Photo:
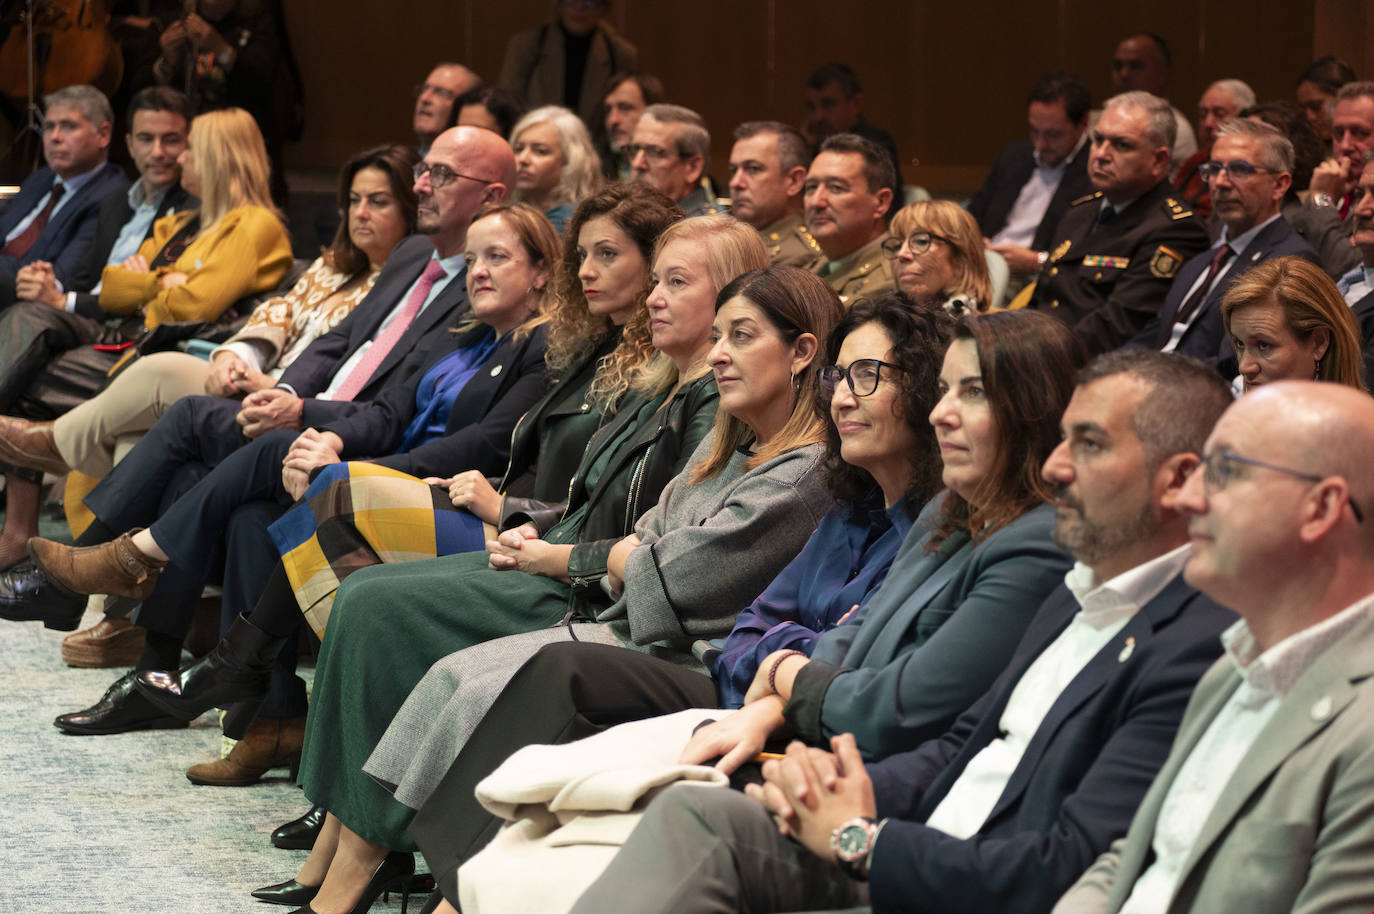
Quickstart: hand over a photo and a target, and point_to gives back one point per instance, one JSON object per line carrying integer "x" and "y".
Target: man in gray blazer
{"x": 1266, "y": 802}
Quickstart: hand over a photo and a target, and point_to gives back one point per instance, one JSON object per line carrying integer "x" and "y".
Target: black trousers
{"x": 565, "y": 692}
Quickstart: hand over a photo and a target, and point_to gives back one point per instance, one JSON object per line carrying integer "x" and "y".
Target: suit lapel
{"x": 938, "y": 568}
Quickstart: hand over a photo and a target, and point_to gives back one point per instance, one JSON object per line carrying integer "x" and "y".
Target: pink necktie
{"x": 362, "y": 372}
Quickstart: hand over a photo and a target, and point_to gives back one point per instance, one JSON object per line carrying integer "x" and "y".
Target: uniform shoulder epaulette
{"x": 1095, "y": 195}
{"x": 1175, "y": 209}
{"x": 805, "y": 234}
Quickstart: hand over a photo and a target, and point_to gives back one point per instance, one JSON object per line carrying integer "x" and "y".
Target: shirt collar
{"x": 138, "y": 195}
{"x": 1101, "y": 602}
{"x": 1243, "y": 240}
{"x": 76, "y": 182}
{"x": 1272, "y": 673}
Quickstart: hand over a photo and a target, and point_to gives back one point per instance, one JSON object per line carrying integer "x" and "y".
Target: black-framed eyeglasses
{"x": 1237, "y": 171}
{"x": 442, "y": 175}
{"x": 862, "y": 376}
{"x": 1218, "y": 471}
{"x": 917, "y": 242}
{"x": 654, "y": 153}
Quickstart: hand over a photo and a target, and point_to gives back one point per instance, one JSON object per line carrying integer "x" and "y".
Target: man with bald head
{"x": 1266, "y": 802}
{"x": 434, "y": 100}
{"x": 1223, "y": 100}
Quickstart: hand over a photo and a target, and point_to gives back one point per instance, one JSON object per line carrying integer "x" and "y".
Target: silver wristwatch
{"x": 852, "y": 844}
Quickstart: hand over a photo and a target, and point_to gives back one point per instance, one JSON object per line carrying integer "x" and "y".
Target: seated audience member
{"x": 1357, "y": 286}
{"x": 670, "y": 151}
{"x": 1320, "y": 226}
{"x": 834, "y": 104}
{"x": 1033, "y": 181}
{"x": 937, "y": 257}
{"x": 1285, "y": 320}
{"x": 1249, "y": 174}
{"x": 1046, "y": 769}
{"x": 1316, "y": 88}
{"x": 1141, "y": 63}
{"x": 53, "y": 217}
{"x": 624, "y": 100}
{"x": 1222, "y": 101}
{"x": 1352, "y": 135}
{"x": 434, "y": 100}
{"x": 489, "y": 107}
{"x": 556, "y": 167}
{"x": 567, "y": 61}
{"x": 767, "y": 171}
{"x": 1117, "y": 251}
{"x": 196, "y": 265}
{"x": 845, "y": 199}
{"x": 1266, "y": 803}
{"x": 901, "y": 666}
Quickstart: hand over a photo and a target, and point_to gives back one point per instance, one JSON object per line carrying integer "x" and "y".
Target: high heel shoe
{"x": 117, "y": 567}
{"x": 300, "y": 834}
{"x": 288, "y": 892}
{"x": 393, "y": 873}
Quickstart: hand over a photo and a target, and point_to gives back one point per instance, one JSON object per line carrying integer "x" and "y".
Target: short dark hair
{"x": 878, "y": 170}
{"x": 1061, "y": 85}
{"x": 398, "y": 164}
{"x": 650, "y": 86}
{"x": 1165, "y": 54}
{"x": 160, "y": 98}
{"x": 793, "y": 150}
{"x": 837, "y": 74}
{"x": 1327, "y": 73}
{"x": 505, "y": 106}
{"x": 1185, "y": 400}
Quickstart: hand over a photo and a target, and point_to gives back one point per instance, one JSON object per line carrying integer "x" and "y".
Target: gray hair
{"x": 1160, "y": 129}
{"x": 89, "y": 100}
{"x": 581, "y": 172}
{"x": 793, "y": 150}
{"x": 1278, "y": 149}
{"x": 1362, "y": 89}
{"x": 1240, "y": 91}
{"x": 693, "y": 139}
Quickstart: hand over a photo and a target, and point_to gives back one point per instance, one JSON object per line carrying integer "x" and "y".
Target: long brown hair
{"x": 398, "y": 164}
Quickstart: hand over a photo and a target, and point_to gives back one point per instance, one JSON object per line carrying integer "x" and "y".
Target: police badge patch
{"x": 1165, "y": 263}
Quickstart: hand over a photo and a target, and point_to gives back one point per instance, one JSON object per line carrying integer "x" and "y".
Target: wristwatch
{"x": 1322, "y": 200}
{"x": 852, "y": 844}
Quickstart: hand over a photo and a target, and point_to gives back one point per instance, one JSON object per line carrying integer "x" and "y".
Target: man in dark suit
{"x": 53, "y": 217}
{"x": 1357, "y": 286}
{"x": 1117, "y": 251}
{"x": 1248, "y": 175}
{"x": 834, "y": 104}
{"x": 1046, "y": 769}
{"x": 1033, "y": 180}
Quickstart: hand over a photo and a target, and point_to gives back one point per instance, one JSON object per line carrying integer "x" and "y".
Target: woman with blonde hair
{"x": 556, "y": 164}
{"x": 937, "y": 256}
{"x": 1286, "y": 321}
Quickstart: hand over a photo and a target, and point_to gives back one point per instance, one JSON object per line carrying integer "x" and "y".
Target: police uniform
{"x": 701, "y": 202}
{"x": 1106, "y": 277}
{"x": 863, "y": 274}
{"x": 789, "y": 242}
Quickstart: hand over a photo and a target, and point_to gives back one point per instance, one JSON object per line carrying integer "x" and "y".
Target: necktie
{"x": 1106, "y": 215}
{"x": 1346, "y": 202}
{"x": 1219, "y": 259}
{"x": 19, "y": 245}
{"x": 362, "y": 372}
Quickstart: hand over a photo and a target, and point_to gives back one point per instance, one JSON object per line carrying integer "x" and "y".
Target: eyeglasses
{"x": 1236, "y": 171}
{"x": 862, "y": 376}
{"x": 447, "y": 95}
{"x": 442, "y": 176}
{"x": 654, "y": 153}
{"x": 1218, "y": 470}
{"x": 917, "y": 242}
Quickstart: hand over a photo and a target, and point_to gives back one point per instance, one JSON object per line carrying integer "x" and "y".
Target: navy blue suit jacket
{"x": 992, "y": 203}
{"x": 1205, "y": 337}
{"x": 70, "y": 231}
{"x": 1078, "y": 784}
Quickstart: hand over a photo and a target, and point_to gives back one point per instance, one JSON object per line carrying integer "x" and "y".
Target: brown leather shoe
{"x": 116, "y": 567}
{"x": 108, "y": 643}
{"x": 269, "y": 743}
{"x": 30, "y": 444}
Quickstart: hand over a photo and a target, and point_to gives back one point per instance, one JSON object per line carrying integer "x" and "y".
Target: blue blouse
{"x": 440, "y": 387}
{"x": 843, "y": 563}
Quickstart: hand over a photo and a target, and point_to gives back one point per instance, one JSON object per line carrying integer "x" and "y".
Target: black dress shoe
{"x": 119, "y": 710}
{"x": 27, "y": 595}
{"x": 288, "y": 892}
{"x": 300, "y": 834}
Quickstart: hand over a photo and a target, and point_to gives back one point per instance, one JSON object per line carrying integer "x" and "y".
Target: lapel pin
{"x": 1126, "y": 651}
{"x": 1255, "y": 256}
{"x": 1321, "y": 709}
{"x": 496, "y": 371}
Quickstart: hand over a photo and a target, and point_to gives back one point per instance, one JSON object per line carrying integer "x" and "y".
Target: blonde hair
{"x": 731, "y": 247}
{"x": 580, "y": 175}
{"x": 228, "y": 154}
{"x": 952, "y": 221}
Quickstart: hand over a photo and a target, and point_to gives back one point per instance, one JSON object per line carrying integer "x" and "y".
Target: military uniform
{"x": 863, "y": 274}
{"x": 1106, "y": 279}
{"x": 701, "y": 202}
{"x": 789, "y": 242}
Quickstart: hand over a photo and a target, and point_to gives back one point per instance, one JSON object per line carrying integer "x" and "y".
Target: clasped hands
{"x": 811, "y": 792}
{"x": 310, "y": 450}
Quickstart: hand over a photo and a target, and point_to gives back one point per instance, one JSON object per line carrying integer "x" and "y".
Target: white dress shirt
{"x": 1105, "y": 610}
{"x": 1238, "y": 246}
{"x": 1266, "y": 679}
{"x": 1034, "y": 199}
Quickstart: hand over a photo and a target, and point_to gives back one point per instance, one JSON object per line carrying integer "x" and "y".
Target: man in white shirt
{"x": 1266, "y": 802}
{"x": 1047, "y": 765}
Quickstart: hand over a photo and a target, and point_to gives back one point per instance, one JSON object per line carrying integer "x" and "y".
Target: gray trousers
{"x": 706, "y": 849}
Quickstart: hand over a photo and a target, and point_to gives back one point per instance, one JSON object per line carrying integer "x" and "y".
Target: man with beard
{"x": 1048, "y": 765}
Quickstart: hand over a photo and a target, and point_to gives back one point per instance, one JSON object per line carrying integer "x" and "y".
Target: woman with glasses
{"x": 1286, "y": 321}
{"x": 556, "y": 166}
{"x": 937, "y": 256}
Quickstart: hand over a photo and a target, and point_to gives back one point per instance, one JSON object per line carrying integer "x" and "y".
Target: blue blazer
{"x": 71, "y": 230}
{"x": 1079, "y": 782}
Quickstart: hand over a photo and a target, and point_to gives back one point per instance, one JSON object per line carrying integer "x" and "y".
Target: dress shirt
{"x": 1034, "y": 198}
{"x": 73, "y": 185}
{"x": 453, "y": 271}
{"x": 130, "y": 237}
{"x": 1356, "y": 284}
{"x": 1266, "y": 679}
{"x": 1238, "y": 246}
{"x": 1105, "y": 608}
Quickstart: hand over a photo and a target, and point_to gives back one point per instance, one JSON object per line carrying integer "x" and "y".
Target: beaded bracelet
{"x": 773, "y": 670}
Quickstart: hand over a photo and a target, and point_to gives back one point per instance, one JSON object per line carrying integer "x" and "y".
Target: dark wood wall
{"x": 947, "y": 78}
